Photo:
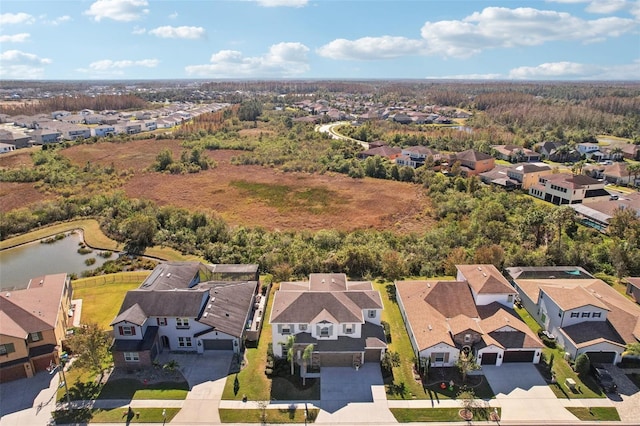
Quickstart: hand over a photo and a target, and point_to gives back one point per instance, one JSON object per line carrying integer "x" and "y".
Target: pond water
{"x": 19, "y": 264}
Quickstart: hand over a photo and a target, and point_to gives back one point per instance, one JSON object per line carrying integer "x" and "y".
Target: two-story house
{"x": 473, "y": 162}
{"x": 585, "y": 314}
{"x": 472, "y": 314}
{"x": 185, "y": 306}
{"x": 416, "y": 156}
{"x": 515, "y": 153}
{"x": 341, "y": 319}
{"x": 33, "y": 324}
{"x": 528, "y": 174}
{"x": 633, "y": 287}
{"x": 565, "y": 188}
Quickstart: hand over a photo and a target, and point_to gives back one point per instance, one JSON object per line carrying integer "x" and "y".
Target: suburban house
{"x": 45, "y": 136}
{"x": 633, "y": 287}
{"x": 6, "y": 147}
{"x": 187, "y": 307}
{"x": 528, "y": 174}
{"x": 566, "y": 188}
{"x": 515, "y": 154}
{"x": 340, "y": 318}
{"x": 104, "y": 130}
{"x": 616, "y": 173}
{"x": 547, "y": 148}
{"x": 383, "y": 151}
{"x": 598, "y": 214}
{"x": 589, "y": 150}
{"x": 415, "y": 156}
{"x": 473, "y": 162}
{"x": 583, "y": 313}
{"x": 19, "y": 140}
{"x": 33, "y": 324}
{"x": 473, "y": 314}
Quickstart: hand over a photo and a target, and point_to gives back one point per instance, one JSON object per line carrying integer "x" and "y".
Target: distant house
{"x": 597, "y": 214}
{"x": 93, "y": 118}
{"x": 472, "y": 314}
{"x": 401, "y": 118}
{"x": 415, "y": 156}
{"x": 617, "y": 173}
{"x": 104, "y": 130}
{"x": 547, "y": 148}
{"x": 633, "y": 287}
{"x": 589, "y": 149}
{"x": 185, "y": 307}
{"x": 515, "y": 154}
{"x": 383, "y": 151}
{"x": 45, "y": 136}
{"x": 585, "y": 314}
{"x": 19, "y": 140}
{"x": 341, "y": 319}
{"x": 565, "y": 188}
{"x": 33, "y": 324}
{"x": 6, "y": 147}
{"x": 473, "y": 162}
{"x": 527, "y": 174}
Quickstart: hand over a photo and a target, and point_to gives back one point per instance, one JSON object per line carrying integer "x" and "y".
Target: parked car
{"x": 603, "y": 377}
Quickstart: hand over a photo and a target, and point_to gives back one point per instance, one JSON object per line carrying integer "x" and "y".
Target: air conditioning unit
{"x": 567, "y": 356}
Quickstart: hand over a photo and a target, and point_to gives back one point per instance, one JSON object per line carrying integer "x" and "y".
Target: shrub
{"x": 90, "y": 261}
{"x": 582, "y": 364}
{"x": 83, "y": 250}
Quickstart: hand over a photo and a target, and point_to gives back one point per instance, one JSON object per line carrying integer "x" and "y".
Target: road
{"x": 330, "y": 129}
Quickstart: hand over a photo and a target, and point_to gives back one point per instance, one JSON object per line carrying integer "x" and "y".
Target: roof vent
{"x": 8, "y": 294}
{"x": 430, "y": 328}
{"x": 226, "y": 314}
{"x": 479, "y": 268}
{"x": 333, "y": 280}
{"x": 429, "y": 285}
{"x": 322, "y": 281}
{"x": 209, "y": 306}
{"x": 205, "y": 314}
{"x": 168, "y": 274}
{"x": 484, "y": 275}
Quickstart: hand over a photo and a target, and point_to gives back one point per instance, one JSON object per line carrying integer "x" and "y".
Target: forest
{"x": 466, "y": 221}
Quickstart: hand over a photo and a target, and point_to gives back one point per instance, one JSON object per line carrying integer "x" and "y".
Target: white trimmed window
{"x": 127, "y": 330}
{"x": 131, "y": 357}
{"x": 184, "y": 342}
{"x": 303, "y": 327}
{"x": 575, "y": 314}
{"x": 182, "y": 322}
{"x": 371, "y": 313}
{"x": 162, "y": 321}
{"x": 586, "y": 314}
{"x": 596, "y": 314}
{"x": 467, "y": 338}
{"x": 348, "y": 329}
{"x": 35, "y": 337}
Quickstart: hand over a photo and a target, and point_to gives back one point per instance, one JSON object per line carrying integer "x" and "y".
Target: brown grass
{"x": 15, "y": 194}
{"x": 357, "y": 203}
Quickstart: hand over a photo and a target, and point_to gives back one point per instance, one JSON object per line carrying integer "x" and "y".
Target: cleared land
{"x": 263, "y": 196}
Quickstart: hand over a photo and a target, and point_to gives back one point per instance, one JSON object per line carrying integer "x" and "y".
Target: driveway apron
{"x": 517, "y": 386}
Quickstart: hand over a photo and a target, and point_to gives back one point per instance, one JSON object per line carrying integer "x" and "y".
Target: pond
{"x": 20, "y": 264}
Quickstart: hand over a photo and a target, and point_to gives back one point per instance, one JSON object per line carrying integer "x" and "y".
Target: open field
{"x": 256, "y": 195}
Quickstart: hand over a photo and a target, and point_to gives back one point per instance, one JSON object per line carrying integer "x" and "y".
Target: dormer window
{"x": 325, "y": 332}
{"x": 371, "y": 313}
{"x": 182, "y": 322}
{"x": 467, "y": 338}
{"x": 127, "y": 330}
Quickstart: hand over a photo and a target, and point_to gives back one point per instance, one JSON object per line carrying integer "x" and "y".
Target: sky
{"x": 320, "y": 39}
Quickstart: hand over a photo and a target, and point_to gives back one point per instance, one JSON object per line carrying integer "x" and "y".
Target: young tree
{"x": 90, "y": 345}
{"x": 139, "y": 230}
{"x": 582, "y": 365}
{"x": 290, "y": 347}
{"x": 306, "y": 357}
{"x": 466, "y": 363}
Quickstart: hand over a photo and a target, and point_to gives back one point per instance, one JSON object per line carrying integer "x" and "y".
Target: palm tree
{"x": 633, "y": 170}
{"x": 616, "y": 153}
{"x": 290, "y": 346}
{"x": 306, "y": 356}
{"x": 632, "y": 349}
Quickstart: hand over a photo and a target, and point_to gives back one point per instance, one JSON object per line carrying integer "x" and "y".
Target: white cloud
{"x": 285, "y": 3}
{"x": 61, "y": 19}
{"x": 107, "y": 66}
{"x": 16, "y": 18}
{"x": 577, "y": 71}
{"x": 138, "y": 30}
{"x": 496, "y": 27}
{"x": 174, "y": 15}
{"x": 179, "y": 32}
{"x": 22, "y": 65}
{"x": 118, "y": 10}
{"x": 371, "y": 48}
{"x": 606, "y": 6}
{"x": 14, "y": 38}
{"x": 282, "y": 60}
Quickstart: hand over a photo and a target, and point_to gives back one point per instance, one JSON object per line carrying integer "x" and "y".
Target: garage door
{"x": 372, "y": 355}
{"x": 14, "y": 372}
{"x": 218, "y": 344}
{"x": 518, "y": 356}
{"x": 336, "y": 359}
{"x": 489, "y": 358}
{"x": 602, "y": 357}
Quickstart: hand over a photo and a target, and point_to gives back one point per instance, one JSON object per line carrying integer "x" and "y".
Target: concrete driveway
{"x": 516, "y": 386}
{"x": 349, "y": 396}
{"x": 207, "y": 375}
{"x": 28, "y": 401}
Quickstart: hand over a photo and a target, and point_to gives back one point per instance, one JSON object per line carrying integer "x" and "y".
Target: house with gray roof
{"x": 186, "y": 307}
{"x": 340, "y": 318}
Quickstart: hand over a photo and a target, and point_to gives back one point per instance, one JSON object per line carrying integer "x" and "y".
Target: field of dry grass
{"x": 248, "y": 195}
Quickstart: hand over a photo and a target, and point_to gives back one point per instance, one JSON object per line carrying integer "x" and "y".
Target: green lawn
{"x": 528, "y": 319}
{"x": 595, "y": 413}
{"x": 102, "y": 295}
{"x": 253, "y": 382}
{"x": 134, "y": 389}
{"x": 253, "y": 415}
{"x": 410, "y": 415}
{"x": 404, "y": 385}
{"x": 115, "y": 415}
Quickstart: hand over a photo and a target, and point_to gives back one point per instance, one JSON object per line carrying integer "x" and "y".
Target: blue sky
{"x": 320, "y": 39}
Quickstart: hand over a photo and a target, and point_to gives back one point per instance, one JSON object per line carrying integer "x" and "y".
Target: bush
{"x": 387, "y": 330}
{"x": 90, "y": 261}
{"x": 582, "y": 364}
{"x": 83, "y": 250}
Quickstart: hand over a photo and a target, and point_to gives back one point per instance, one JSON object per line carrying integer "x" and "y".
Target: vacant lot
{"x": 263, "y": 196}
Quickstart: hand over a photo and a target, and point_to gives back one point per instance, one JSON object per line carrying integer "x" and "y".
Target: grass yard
{"x": 254, "y": 415}
{"x": 102, "y": 295}
{"x": 410, "y": 415}
{"x": 93, "y": 235}
{"x": 115, "y": 415}
{"x": 135, "y": 389}
{"x": 252, "y": 380}
{"x": 404, "y": 385}
{"x": 599, "y": 414}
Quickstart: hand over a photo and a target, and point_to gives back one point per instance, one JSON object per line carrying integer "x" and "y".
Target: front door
{"x": 165, "y": 342}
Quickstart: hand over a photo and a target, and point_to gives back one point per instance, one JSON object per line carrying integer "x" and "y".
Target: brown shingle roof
{"x": 486, "y": 279}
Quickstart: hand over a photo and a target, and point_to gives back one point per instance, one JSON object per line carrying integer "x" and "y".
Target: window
{"x": 7, "y": 348}
{"x": 184, "y": 342}
{"x": 131, "y": 357}
{"x": 35, "y": 337}
{"x": 162, "y": 321}
{"x": 510, "y": 298}
{"x": 348, "y": 329}
{"x": 586, "y": 314}
{"x": 438, "y": 357}
{"x": 597, "y": 314}
{"x": 371, "y": 313}
{"x": 560, "y": 313}
{"x": 303, "y": 327}
{"x": 285, "y": 329}
{"x": 127, "y": 330}
{"x": 182, "y": 322}
{"x": 467, "y": 338}
{"x": 575, "y": 314}
{"x": 324, "y": 332}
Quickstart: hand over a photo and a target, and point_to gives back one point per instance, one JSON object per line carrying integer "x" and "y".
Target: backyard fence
{"x": 121, "y": 277}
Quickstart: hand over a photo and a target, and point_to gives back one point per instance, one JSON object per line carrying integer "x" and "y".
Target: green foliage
{"x": 90, "y": 345}
{"x": 250, "y": 110}
{"x": 390, "y": 360}
{"x": 582, "y": 365}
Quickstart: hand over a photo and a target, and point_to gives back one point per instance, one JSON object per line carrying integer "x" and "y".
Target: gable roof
{"x": 472, "y": 155}
{"x": 228, "y": 307}
{"x": 34, "y": 308}
{"x": 173, "y": 303}
{"x": 486, "y": 279}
